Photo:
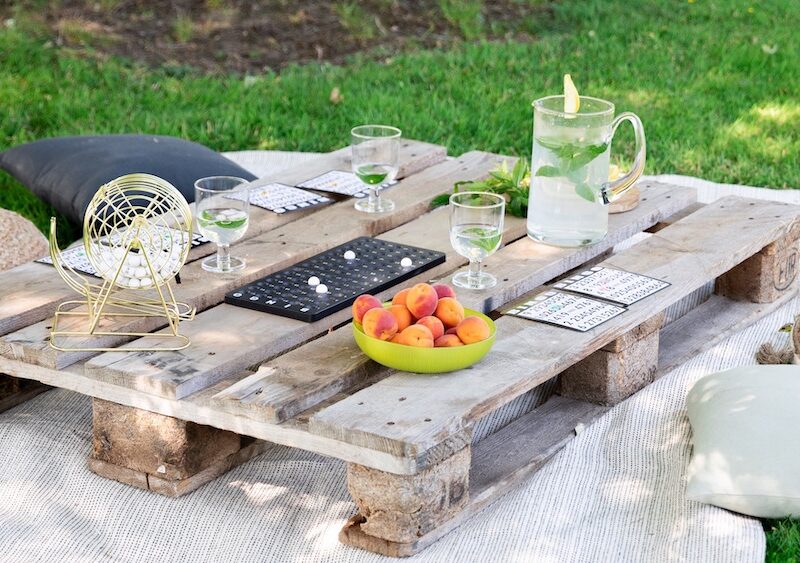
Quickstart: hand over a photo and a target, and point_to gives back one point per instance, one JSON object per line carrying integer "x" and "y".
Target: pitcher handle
{"x": 611, "y": 191}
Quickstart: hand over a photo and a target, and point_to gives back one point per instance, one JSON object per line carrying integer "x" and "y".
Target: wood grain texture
{"x": 709, "y": 324}
{"x": 198, "y": 408}
{"x": 499, "y": 463}
{"x": 288, "y": 387}
{"x": 32, "y": 291}
{"x": 265, "y": 254}
{"x": 687, "y": 254}
{"x": 526, "y": 264}
{"x": 176, "y": 487}
{"x": 226, "y": 339}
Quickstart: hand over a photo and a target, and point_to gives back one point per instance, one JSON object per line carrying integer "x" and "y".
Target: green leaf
{"x": 786, "y": 328}
{"x": 548, "y": 171}
{"x": 440, "y": 200}
{"x": 584, "y": 155}
{"x": 519, "y": 171}
{"x": 585, "y": 192}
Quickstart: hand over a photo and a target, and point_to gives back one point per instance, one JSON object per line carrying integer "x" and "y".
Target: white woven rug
{"x": 615, "y": 493}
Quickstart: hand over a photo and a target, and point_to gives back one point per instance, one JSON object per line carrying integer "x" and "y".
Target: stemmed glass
{"x": 223, "y": 213}
{"x": 476, "y": 230}
{"x": 375, "y": 149}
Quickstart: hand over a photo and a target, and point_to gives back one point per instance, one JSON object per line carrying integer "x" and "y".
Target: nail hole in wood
{"x": 401, "y": 399}
{"x": 505, "y": 279}
{"x": 390, "y": 423}
{"x": 212, "y": 353}
{"x": 749, "y": 218}
{"x": 752, "y": 203}
{"x": 361, "y": 403}
{"x": 413, "y": 154}
{"x": 427, "y": 420}
{"x": 669, "y": 197}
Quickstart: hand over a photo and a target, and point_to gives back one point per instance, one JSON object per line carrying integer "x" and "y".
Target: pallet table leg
{"x": 166, "y": 455}
{"x": 618, "y": 370}
{"x": 396, "y": 511}
{"x": 765, "y": 276}
{"x": 15, "y": 391}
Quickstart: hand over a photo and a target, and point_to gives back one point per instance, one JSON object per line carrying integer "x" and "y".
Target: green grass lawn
{"x": 715, "y": 83}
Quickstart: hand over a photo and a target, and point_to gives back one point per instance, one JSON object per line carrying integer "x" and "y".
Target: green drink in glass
{"x": 223, "y": 214}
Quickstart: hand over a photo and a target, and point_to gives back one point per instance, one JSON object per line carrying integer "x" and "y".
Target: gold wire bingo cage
{"x": 137, "y": 232}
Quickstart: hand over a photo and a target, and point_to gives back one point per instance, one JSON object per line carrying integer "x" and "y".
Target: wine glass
{"x": 375, "y": 150}
{"x": 476, "y": 230}
{"x": 223, "y": 213}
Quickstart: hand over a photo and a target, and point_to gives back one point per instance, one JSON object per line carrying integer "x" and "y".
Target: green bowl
{"x": 425, "y": 360}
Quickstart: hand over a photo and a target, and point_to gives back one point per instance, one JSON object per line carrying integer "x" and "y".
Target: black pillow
{"x": 67, "y": 171}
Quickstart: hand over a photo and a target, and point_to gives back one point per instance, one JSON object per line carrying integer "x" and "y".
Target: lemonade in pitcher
{"x": 570, "y": 190}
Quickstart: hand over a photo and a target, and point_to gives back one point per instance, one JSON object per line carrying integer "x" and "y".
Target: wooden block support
{"x": 161, "y": 453}
{"x": 400, "y": 509}
{"x": 617, "y": 370}
{"x": 15, "y": 391}
{"x": 765, "y": 276}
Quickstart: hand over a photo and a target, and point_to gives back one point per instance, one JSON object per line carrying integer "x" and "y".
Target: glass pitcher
{"x": 570, "y": 190}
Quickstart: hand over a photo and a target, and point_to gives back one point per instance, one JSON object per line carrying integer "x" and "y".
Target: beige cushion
{"x": 746, "y": 424}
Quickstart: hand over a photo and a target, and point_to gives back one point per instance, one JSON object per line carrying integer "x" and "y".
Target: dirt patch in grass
{"x": 219, "y": 36}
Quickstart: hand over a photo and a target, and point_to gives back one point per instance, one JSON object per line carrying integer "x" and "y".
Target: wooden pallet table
{"x": 171, "y": 421}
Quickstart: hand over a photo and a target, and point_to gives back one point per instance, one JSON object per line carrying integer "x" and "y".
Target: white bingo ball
{"x": 130, "y": 272}
{"x": 322, "y": 288}
{"x": 118, "y": 252}
{"x": 123, "y": 281}
{"x": 134, "y": 282}
{"x": 147, "y": 282}
{"x": 313, "y": 281}
{"x": 349, "y": 255}
{"x": 406, "y": 262}
{"x": 134, "y": 260}
{"x": 141, "y": 272}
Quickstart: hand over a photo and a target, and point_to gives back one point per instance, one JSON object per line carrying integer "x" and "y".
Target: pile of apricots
{"x": 425, "y": 315}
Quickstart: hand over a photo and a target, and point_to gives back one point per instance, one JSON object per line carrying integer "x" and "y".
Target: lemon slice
{"x": 572, "y": 102}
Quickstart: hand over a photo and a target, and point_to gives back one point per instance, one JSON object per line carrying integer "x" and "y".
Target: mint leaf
{"x": 585, "y": 192}
{"x": 440, "y": 200}
{"x": 548, "y": 171}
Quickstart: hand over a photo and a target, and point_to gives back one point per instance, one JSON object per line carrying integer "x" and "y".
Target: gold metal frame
{"x": 147, "y": 203}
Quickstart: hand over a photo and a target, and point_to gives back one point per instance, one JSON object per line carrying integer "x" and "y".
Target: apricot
{"x": 422, "y": 300}
{"x": 403, "y": 316}
{"x": 444, "y": 290}
{"x": 451, "y": 330}
{"x": 434, "y": 325}
{"x": 396, "y": 339}
{"x": 417, "y": 335}
{"x": 447, "y": 341}
{"x": 362, "y": 304}
{"x": 449, "y": 311}
{"x": 400, "y": 298}
{"x": 473, "y": 329}
{"x": 380, "y": 324}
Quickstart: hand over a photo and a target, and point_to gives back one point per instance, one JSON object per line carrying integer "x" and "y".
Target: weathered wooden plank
{"x": 527, "y": 264}
{"x": 199, "y": 409}
{"x": 709, "y": 324}
{"x": 31, "y": 291}
{"x": 499, "y": 463}
{"x": 286, "y": 387}
{"x": 687, "y": 254}
{"x": 227, "y": 339}
{"x": 265, "y": 254}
